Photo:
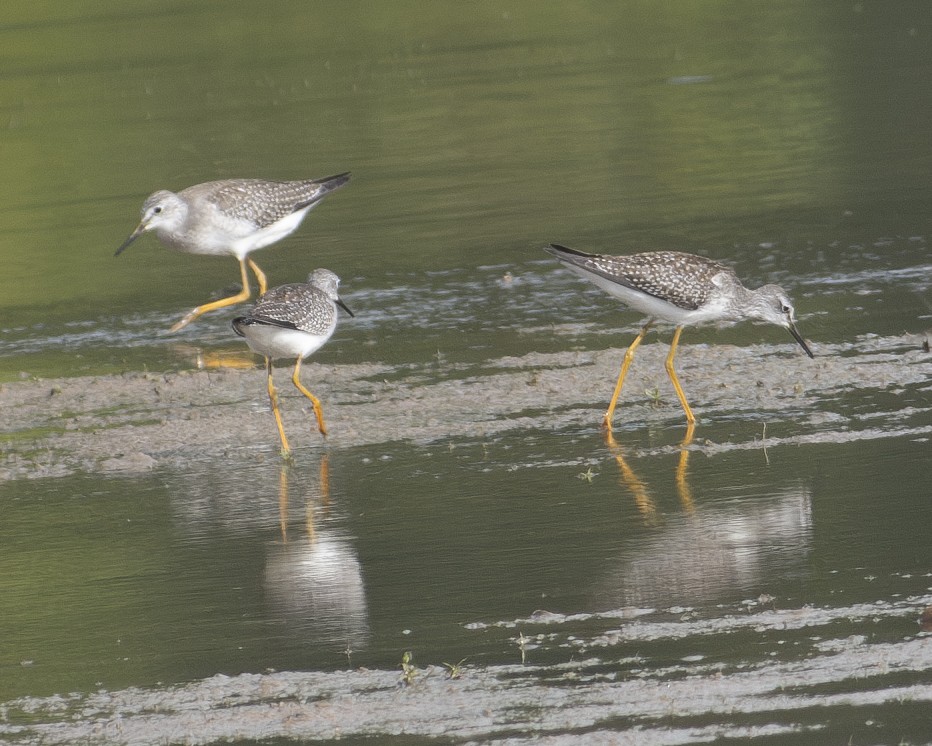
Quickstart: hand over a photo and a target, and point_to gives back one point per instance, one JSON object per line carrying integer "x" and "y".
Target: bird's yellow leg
{"x": 315, "y": 402}
{"x": 690, "y": 418}
{"x": 260, "y": 276}
{"x": 222, "y": 303}
{"x": 273, "y": 398}
{"x": 629, "y": 356}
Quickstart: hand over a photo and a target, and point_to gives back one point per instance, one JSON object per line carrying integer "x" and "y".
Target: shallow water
{"x": 758, "y": 575}
{"x": 166, "y": 578}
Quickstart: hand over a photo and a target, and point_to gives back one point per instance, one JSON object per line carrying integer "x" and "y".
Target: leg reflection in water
{"x": 321, "y": 495}
{"x": 636, "y": 486}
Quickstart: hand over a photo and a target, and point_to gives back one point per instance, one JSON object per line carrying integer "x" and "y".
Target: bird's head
{"x": 162, "y": 210}
{"x": 774, "y": 306}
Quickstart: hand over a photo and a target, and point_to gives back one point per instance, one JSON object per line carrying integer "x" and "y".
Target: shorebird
{"x": 292, "y": 321}
{"x": 682, "y": 289}
{"x": 231, "y": 216}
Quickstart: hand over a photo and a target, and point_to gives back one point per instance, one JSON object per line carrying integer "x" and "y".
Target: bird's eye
{"x": 787, "y": 309}
{"x": 157, "y": 209}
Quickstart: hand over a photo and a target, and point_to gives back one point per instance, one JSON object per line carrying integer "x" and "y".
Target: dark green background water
{"x": 791, "y": 140}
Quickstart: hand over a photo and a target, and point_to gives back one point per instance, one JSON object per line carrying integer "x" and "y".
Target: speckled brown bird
{"x": 231, "y": 216}
{"x": 682, "y": 289}
{"x": 292, "y": 321}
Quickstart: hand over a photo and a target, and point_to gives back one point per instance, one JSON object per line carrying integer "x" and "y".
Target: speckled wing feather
{"x": 684, "y": 280}
{"x": 263, "y": 202}
{"x": 295, "y": 306}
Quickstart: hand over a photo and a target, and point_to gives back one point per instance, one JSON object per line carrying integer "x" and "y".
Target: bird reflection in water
{"x": 708, "y": 553}
{"x": 313, "y": 579}
{"x": 214, "y": 359}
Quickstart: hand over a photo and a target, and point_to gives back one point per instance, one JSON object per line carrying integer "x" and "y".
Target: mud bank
{"x": 139, "y": 421}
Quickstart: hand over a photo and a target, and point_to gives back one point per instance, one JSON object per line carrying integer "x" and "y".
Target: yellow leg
{"x": 629, "y": 356}
{"x": 315, "y": 402}
{"x": 260, "y": 276}
{"x": 273, "y": 398}
{"x": 222, "y": 303}
{"x": 672, "y": 373}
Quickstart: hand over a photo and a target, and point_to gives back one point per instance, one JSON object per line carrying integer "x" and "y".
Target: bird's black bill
{"x": 345, "y": 307}
{"x": 132, "y": 237}
{"x": 798, "y": 338}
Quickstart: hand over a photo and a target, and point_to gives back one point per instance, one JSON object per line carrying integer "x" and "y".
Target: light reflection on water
{"x": 706, "y": 555}
{"x": 314, "y": 586}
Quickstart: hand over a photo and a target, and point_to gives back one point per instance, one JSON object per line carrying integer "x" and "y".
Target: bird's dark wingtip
{"x": 560, "y": 251}
{"x": 242, "y": 321}
{"x": 239, "y": 322}
{"x": 280, "y": 323}
{"x": 324, "y": 187}
{"x": 335, "y": 181}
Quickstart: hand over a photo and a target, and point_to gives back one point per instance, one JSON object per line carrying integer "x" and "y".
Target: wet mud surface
{"x": 876, "y": 387}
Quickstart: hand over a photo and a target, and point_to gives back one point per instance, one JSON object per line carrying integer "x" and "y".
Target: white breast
{"x": 276, "y": 342}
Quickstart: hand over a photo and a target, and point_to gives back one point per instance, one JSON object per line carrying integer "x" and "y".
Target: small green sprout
{"x": 656, "y": 400}
{"x": 408, "y": 671}
{"x": 455, "y": 670}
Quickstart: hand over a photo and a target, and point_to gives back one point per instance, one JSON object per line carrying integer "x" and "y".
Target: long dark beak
{"x": 132, "y": 237}
{"x": 798, "y": 338}
{"x": 345, "y": 307}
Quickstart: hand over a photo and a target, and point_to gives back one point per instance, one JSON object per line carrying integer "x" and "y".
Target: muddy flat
{"x": 138, "y": 421}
